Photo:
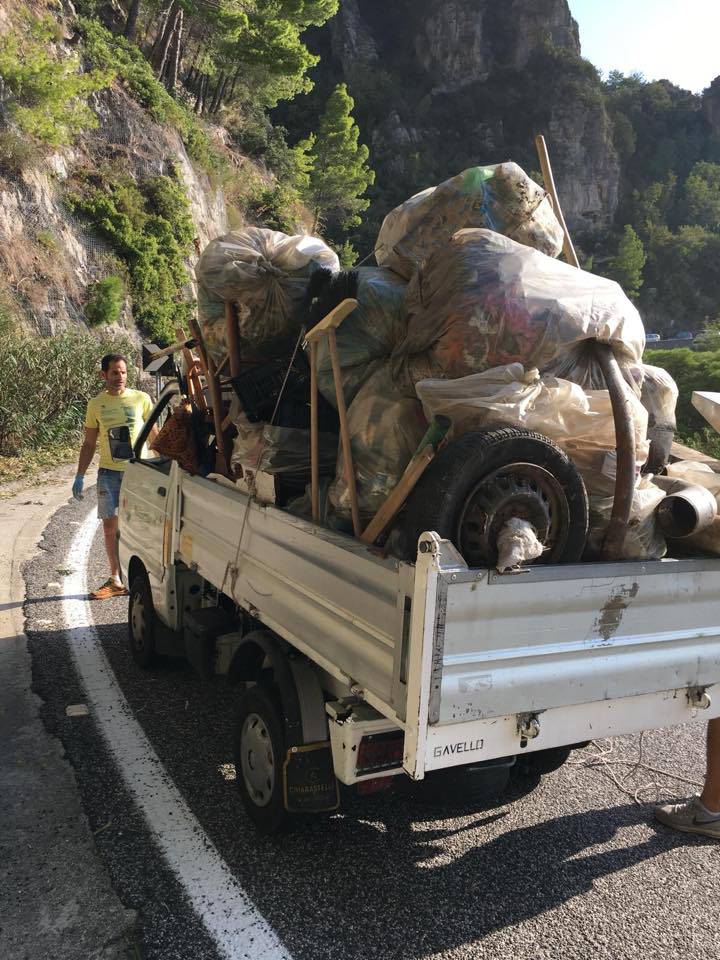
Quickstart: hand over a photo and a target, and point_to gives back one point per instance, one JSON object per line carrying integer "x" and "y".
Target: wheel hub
{"x": 521, "y": 490}
{"x": 257, "y": 759}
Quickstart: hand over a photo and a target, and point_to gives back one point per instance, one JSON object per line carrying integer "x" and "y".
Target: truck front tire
{"x": 141, "y": 622}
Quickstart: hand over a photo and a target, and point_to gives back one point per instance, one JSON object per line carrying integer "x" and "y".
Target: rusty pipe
{"x": 625, "y": 447}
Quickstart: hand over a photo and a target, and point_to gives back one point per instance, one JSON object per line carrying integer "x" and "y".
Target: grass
{"x": 35, "y": 464}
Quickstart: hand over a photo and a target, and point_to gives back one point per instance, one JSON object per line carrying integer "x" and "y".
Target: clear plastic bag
{"x": 264, "y": 273}
{"x": 643, "y": 539}
{"x": 385, "y": 430}
{"x": 369, "y": 333}
{"x": 659, "y": 397}
{"x": 483, "y": 300}
{"x": 580, "y": 422}
{"x": 500, "y": 197}
{"x": 280, "y": 450}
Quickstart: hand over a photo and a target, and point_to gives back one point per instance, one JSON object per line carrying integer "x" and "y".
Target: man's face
{"x": 115, "y": 376}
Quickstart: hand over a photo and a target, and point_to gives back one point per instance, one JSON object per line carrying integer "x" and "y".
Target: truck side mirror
{"x": 120, "y": 445}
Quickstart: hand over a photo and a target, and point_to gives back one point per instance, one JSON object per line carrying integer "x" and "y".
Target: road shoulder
{"x": 58, "y": 901}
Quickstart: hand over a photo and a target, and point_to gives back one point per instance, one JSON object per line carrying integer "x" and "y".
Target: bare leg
{"x": 710, "y": 797}
{"x": 110, "y": 526}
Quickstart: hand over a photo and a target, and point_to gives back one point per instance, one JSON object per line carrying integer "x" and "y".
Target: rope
{"x": 604, "y": 766}
{"x": 233, "y": 568}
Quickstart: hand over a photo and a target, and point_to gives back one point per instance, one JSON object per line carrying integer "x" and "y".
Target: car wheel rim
{"x": 522, "y": 490}
{"x": 257, "y": 760}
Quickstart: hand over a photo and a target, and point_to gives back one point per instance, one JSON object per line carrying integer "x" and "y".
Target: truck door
{"x": 147, "y": 502}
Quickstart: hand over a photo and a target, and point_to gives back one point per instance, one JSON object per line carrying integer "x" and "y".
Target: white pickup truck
{"x": 355, "y": 667}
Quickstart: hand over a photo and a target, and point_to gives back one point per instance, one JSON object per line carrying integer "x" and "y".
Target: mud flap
{"x": 309, "y": 782}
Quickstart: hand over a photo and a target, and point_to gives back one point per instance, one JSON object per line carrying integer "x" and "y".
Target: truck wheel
{"x": 141, "y": 622}
{"x": 259, "y": 757}
{"x": 481, "y": 480}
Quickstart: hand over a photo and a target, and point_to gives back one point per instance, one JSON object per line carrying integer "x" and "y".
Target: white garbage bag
{"x": 501, "y": 197}
{"x": 265, "y": 274}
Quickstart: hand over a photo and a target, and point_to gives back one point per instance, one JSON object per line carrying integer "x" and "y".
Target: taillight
{"x": 381, "y": 751}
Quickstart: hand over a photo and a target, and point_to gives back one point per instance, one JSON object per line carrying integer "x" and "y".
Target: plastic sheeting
{"x": 280, "y": 450}
{"x": 580, "y": 422}
{"x": 500, "y": 197}
{"x": 483, "y": 300}
{"x": 369, "y": 333}
{"x": 385, "y": 430}
{"x": 264, "y": 273}
{"x": 659, "y": 397}
{"x": 643, "y": 539}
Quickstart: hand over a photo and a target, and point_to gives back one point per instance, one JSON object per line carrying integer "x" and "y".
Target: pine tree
{"x": 340, "y": 174}
{"x": 627, "y": 265}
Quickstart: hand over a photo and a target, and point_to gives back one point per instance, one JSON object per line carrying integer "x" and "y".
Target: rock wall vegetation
{"x": 133, "y": 131}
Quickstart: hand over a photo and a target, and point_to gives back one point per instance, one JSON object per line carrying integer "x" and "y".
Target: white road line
{"x": 229, "y": 916}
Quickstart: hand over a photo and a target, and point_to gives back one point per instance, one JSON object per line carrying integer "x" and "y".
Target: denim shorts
{"x": 108, "y": 492}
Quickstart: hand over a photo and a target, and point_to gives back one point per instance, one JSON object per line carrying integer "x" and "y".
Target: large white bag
{"x": 500, "y": 197}
{"x": 580, "y": 422}
{"x": 483, "y": 300}
{"x": 265, "y": 274}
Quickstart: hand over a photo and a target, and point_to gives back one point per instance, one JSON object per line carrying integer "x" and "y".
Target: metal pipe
{"x": 687, "y": 508}
{"x": 625, "y": 445}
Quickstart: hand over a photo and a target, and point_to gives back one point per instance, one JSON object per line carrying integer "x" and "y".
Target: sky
{"x": 677, "y": 40}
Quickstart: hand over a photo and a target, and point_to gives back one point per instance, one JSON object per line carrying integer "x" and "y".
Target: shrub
{"x": 105, "y": 301}
{"x": 691, "y": 370}
{"x": 150, "y": 229}
{"x": 16, "y": 153}
{"x": 49, "y": 93}
{"x": 45, "y": 385}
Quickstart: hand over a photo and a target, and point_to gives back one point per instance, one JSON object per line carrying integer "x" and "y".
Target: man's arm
{"x": 87, "y": 451}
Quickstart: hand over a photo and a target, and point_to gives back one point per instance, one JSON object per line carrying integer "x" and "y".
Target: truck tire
{"x": 142, "y": 622}
{"x": 259, "y": 747}
{"x": 512, "y": 472}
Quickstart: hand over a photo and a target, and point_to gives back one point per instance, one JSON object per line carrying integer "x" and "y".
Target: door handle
{"x": 162, "y": 491}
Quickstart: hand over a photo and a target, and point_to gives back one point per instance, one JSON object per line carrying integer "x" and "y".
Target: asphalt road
{"x": 569, "y": 866}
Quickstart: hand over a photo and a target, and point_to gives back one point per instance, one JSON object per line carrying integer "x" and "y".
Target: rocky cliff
{"x": 472, "y": 81}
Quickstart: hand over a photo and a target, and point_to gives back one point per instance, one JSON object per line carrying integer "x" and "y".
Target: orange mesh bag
{"x": 176, "y": 438}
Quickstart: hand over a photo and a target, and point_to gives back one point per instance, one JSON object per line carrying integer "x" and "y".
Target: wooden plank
{"x": 332, "y": 321}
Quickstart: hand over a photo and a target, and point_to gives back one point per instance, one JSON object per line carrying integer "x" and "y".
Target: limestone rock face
{"x": 711, "y": 106}
{"x": 467, "y": 88}
{"x": 47, "y": 256}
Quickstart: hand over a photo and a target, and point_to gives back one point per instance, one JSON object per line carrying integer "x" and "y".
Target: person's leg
{"x": 710, "y": 797}
{"x": 108, "y": 494}
{"x": 110, "y": 525}
{"x": 699, "y": 814}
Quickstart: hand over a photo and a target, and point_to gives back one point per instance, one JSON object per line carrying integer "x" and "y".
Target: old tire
{"x": 142, "y": 622}
{"x": 259, "y": 747}
{"x": 512, "y": 471}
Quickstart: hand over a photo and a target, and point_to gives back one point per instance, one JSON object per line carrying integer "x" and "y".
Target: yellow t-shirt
{"x": 104, "y": 411}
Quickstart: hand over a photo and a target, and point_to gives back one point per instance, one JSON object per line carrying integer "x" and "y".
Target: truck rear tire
{"x": 142, "y": 622}
{"x": 259, "y": 747}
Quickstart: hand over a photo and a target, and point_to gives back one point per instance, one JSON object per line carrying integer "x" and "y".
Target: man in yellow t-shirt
{"x": 116, "y": 406}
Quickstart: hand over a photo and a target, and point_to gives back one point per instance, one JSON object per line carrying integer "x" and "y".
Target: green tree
{"x": 627, "y": 265}
{"x": 702, "y": 195}
{"x": 340, "y": 174}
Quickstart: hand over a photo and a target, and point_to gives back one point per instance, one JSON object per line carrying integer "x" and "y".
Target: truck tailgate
{"x": 545, "y": 643}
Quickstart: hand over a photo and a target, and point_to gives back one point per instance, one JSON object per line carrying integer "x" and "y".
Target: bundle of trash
{"x": 468, "y": 315}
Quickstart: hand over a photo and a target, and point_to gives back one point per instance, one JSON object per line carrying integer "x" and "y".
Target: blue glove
{"x": 77, "y": 487}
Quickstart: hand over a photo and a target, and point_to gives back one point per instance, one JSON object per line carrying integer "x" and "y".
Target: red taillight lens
{"x": 381, "y": 751}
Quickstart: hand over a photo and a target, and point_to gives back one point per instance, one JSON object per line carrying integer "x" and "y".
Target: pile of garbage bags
{"x": 468, "y": 314}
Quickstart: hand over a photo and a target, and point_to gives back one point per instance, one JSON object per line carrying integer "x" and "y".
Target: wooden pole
{"x": 221, "y": 461}
{"x": 195, "y": 389}
{"x": 568, "y": 248}
{"x": 314, "y": 465}
{"x": 232, "y": 336}
{"x": 429, "y": 445}
{"x": 344, "y": 433}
